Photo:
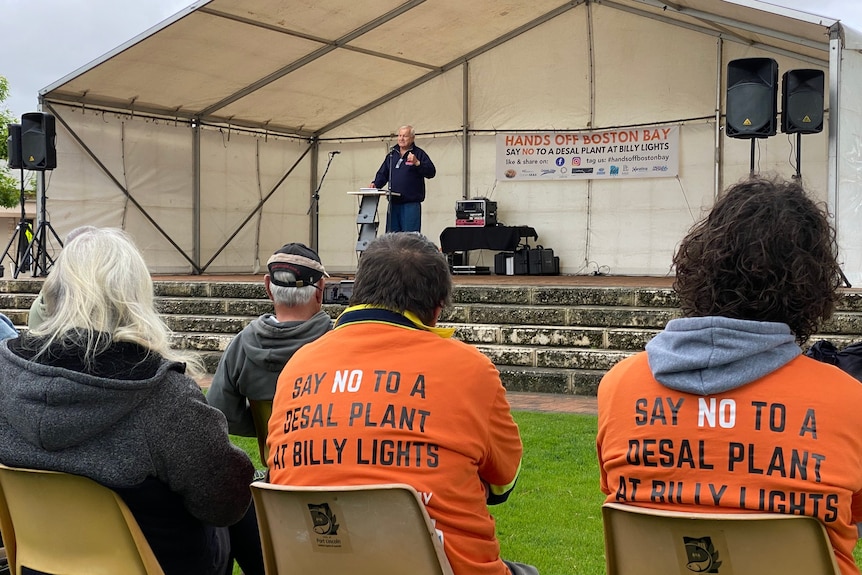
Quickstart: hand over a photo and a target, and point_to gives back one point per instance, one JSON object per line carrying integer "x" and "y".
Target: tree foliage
{"x": 5, "y": 118}
{"x": 10, "y": 186}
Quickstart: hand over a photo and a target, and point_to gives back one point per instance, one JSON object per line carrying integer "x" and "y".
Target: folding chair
{"x": 359, "y": 530}
{"x": 641, "y": 541}
{"x": 260, "y": 413}
{"x": 61, "y": 523}
{"x": 8, "y": 551}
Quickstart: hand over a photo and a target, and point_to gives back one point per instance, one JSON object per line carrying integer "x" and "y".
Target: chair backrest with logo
{"x": 641, "y": 541}
{"x": 357, "y": 530}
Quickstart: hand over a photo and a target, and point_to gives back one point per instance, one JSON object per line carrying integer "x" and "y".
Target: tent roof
{"x": 307, "y": 66}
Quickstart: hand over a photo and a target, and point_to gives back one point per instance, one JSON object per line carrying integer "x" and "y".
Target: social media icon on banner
{"x": 576, "y": 161}
{"x": 560, "y": 161}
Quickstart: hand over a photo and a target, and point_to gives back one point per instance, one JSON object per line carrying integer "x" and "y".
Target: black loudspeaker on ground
{"x": 38, "y": 141}
{"x": 752, "y": 98}
{"x": 13, "y": 146}
{"x": 802, "y": 101}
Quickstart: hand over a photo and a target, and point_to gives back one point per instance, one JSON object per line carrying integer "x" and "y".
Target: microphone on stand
{"x": 333, "y": 152}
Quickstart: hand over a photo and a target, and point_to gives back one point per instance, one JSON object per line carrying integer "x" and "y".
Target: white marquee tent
{"x": 207, "y": 136}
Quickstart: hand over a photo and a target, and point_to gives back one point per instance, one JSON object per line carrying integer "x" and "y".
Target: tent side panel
{"x": 150, "y": 160}
{"x": 238, "y": 172}
{"x": 849, "y": 205}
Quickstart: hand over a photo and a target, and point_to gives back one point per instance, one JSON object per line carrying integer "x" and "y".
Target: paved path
{"x": 552, "y": 402}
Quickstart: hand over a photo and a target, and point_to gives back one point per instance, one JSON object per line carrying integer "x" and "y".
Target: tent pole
{"x": 196, "y": 197}
{"x": 465, "y": 129}
{"x": 798, "y": 175}
{"x": 719, "y": 142}
{"x": 833, "y": 198}
{"x": 314, "y": 214}
{"x": 751, "y": 159}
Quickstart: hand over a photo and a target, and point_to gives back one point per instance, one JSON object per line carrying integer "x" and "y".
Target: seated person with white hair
{"x": 38, "y": 313}
{"x": 96, "y": 390}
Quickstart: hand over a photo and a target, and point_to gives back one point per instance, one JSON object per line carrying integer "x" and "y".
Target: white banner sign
{"x": 628, "y": 153}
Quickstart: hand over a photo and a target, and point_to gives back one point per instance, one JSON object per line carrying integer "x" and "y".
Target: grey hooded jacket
{"x": 252, "y": 362}
{"x": 708, "y": 355}
{"x": 148, "y": 433}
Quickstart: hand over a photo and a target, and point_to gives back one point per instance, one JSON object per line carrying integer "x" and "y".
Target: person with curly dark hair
{"x": 764, "y": 253}
{"x": 722, "y": 412}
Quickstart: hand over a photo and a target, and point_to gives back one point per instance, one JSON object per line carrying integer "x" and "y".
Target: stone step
{"x": 18, "y": 316}
{"x": 556, "y": 358}
{"x": 546, "y": 380}
{"x": 463, "y": 294}
{"x": 844, "y": 322}
{"x": 634, "y": 318}
{"x": 542, "y": 339}
{"x": 19, "y": 301}
{"x": 212, "y": 306}
{"x": 214, "y": 324}
{"x": 561, "y": 370}
{"x": 544, "y": 336}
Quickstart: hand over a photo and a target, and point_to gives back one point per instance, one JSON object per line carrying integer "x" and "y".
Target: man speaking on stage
{"x": 405, "y": 168}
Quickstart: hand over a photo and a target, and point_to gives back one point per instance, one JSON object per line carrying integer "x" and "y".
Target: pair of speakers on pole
{"x": 32, "y": 143}
{"x": 752, "y": 99}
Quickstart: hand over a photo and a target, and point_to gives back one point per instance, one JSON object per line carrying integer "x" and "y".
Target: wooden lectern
{"x": 367, "y": 221}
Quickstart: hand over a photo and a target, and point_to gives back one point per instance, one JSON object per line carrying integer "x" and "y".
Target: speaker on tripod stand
{"x": 20, "y": 257}
{"x": 13, "y": 145}
{"x": 752, "y": 100}
{"x": 39, "y": 153}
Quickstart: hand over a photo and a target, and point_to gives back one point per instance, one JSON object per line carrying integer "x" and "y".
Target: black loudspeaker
{"x": 802, "y": 102}
{"x": 752, "y": 97}
{"x": 13, "y": 146}
{"x": 38, "y": 135}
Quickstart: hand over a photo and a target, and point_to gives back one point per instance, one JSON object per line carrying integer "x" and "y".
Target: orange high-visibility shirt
{"x": 789, "y": 442}
{"x": 376, "y": 402}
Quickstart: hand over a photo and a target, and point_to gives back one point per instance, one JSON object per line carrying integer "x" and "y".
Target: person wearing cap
{"x": 249, "y": 367}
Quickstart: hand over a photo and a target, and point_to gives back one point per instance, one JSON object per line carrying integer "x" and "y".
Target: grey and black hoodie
{"x": 134, "y": 422}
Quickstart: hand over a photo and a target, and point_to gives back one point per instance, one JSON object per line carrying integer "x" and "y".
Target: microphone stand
{"x": 316, "y": 195}
{"x": 389, "y": 191}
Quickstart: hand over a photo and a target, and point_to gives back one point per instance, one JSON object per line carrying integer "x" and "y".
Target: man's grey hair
{"x": 291, "y": 296}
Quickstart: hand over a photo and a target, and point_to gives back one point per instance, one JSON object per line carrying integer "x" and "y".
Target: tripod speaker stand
{"x": 42, "y": 260}
{"x": 31, "y": 146}
{"x": 21, "y": 259}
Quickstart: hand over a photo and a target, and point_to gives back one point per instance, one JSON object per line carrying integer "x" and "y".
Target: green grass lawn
{"x": 553, "y": 518}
